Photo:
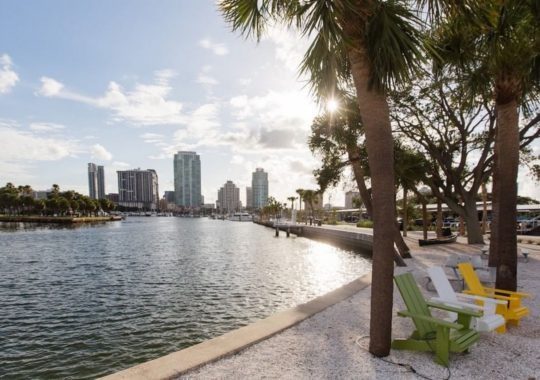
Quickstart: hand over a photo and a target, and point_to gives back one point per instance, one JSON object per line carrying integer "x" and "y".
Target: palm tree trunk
{"x": 375, "y": 115}
{"x": 507, "y": 166}
{"x": 354, "y": 158}
{"x": 493, "y": 259}
{"x": 405, "y": 213}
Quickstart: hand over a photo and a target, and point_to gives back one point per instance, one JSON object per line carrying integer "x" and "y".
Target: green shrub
{"x": 365, "y": 224}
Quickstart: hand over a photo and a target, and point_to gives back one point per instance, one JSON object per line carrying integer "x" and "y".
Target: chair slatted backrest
{"x": 415, "y": 302}
{"x": 442, "y": 285}
{"x": 471, "y": 279}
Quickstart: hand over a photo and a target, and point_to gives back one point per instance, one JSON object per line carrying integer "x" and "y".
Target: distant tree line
{"x": 19, "y": 200}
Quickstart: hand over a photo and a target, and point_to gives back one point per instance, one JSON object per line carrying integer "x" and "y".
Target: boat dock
{"x": 352, "y": 239}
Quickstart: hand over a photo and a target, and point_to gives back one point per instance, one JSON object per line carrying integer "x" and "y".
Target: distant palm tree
{"x": 292, "y": 199}
{"x": 300, "y": 193}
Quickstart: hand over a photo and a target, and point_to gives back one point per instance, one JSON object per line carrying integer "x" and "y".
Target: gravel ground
{"x": 333, "y": 344}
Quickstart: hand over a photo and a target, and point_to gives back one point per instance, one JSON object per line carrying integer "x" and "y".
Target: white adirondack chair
{"x": 488, "y": 322}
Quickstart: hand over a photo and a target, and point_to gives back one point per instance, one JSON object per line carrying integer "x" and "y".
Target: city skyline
{"x": 125, "y": 101}
{"x": 133, "y": 97}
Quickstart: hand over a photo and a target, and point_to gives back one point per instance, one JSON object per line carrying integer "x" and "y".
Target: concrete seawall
{"x": 355, "y": 240}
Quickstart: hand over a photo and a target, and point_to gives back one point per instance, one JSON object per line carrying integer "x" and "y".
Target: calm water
{"x": 88, "y": 301}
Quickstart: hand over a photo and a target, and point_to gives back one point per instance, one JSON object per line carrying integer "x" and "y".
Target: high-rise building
{"x": 92, "y": 181}
{"x": 249, "y": 197}
{"x": 101, "y": 182}
{"x": 229, "y": 198}
{"x": 187, "y": 179}
{"x": 350, "y": 196}
{"x": 138, "y": 189}
{"x": 96, "y": 181}
{"x": 259, "y": 186}
{"x": 170, "y": 196}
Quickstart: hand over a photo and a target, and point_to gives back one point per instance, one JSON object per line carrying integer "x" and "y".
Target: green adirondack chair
{"x": 433, "y": 334}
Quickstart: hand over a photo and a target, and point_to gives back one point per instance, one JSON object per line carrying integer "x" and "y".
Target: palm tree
{"x": 292, "y": 199}
{"x": 300, "y": 193}
{"x": 497, "y": 44}
{"x": 377, "y": 43}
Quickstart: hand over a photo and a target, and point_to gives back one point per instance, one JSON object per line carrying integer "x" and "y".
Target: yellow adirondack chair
{"x": 512, "y": 311}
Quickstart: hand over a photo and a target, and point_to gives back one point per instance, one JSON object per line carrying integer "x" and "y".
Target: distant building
{"x": 249, "y": 198}
{"x": 170, "y": 196}
{"x": 259, "y": 186}
{"x": 113, "y": 197}
{"x": 96, "y": 181}
{"x": 101, "y": 182}
{"x": 138, "y": 189}
{"x": 40, "y": 194}
{"x": 349, "y": 197}
{"x": 187, "y": 179}
{"x": 229, "y": 198}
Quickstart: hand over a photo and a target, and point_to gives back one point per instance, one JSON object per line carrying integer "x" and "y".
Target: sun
{"x": 332, "y": 105}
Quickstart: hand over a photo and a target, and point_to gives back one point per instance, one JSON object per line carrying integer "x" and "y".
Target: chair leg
{"x": 502, "y": 329}
{"x": 442, "y": 346}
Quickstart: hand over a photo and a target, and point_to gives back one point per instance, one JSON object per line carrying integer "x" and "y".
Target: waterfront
{"x": 88, "y": 301}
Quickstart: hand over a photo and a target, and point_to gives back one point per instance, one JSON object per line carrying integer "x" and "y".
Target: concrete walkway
{"x": 333, "y": 343}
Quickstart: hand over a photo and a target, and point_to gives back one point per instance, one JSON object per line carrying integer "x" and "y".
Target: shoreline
{"x": 57, "y": 219}
{"x": 329, "y": 343}
{"x": 213, "y": 350}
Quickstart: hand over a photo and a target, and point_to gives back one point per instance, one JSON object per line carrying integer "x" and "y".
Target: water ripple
{"x": 88, "y": 301}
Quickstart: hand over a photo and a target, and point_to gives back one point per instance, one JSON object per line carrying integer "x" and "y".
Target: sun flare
{"x": 332, "y": 105}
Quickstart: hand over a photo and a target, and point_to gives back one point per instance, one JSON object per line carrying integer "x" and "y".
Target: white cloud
{"x": 18, "y": 146}
{"x": 207, "y": 80}
{"x": 50, "y": 87}
{"x": 290, "y": 46}
{"x": 237, "y": 160}
{"x": 146, "y": 104}
{"x": 46, "y": 127}
{"x": 8, "y": 77}
{"x": 98, "y": 151}
{"x": 120, "y": 164}
{"x": 216, "y": 48}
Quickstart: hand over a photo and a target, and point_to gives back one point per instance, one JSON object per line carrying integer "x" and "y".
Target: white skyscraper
{"x": 96, "y": 181}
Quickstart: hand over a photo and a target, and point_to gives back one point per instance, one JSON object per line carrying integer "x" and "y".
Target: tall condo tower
{"x": 229, "y": 198}
{"x": 249, "y": 198}
{"x": 187, "y": 179}
{"x": 259, "y": 188}
{"x": 138, "y": 189}
{"x": 96, "y": 181}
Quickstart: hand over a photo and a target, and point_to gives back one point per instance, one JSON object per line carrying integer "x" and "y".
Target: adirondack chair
{"x": 511, "y": 310}
{"x": 433, "y": 334}
{"x": 489, "y": 321}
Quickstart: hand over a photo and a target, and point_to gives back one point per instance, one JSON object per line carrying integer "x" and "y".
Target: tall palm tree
{"x": 377, "y": 43}
{"x": 497, "y": 43}
{"x": 292, "y": 199}
{"x": 300, "y": 193}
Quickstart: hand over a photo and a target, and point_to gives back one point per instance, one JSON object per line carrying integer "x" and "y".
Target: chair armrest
{"x": 470, "y": 306}
{"x": 509, "y": 292}
{"x": 458, "y": 310}
{"x": 480, "y": 298}
{"x": 440, "y": 322}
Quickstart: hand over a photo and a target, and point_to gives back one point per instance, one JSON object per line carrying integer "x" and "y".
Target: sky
{"x": 128, "y": 83}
